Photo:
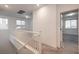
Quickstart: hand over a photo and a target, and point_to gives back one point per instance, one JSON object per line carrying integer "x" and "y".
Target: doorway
{"x": 69, "y": 26}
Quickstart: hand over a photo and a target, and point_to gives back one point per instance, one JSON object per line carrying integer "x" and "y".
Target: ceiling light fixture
{"x": 6, "y": 6}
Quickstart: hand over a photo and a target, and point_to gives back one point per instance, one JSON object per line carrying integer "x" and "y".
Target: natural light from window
{"x": 3, "y": 23}
{"x": 20, "y": 24}
{"x": 71, "y": 24}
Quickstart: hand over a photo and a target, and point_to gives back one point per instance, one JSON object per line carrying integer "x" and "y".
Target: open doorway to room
{"x": 69, "y": 25}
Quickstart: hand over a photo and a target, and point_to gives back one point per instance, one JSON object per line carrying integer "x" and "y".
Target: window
{"x": 67, "y": 24}
{"x": 3, "y": 23}
{"x": 20, "y": 23}
{"x": 23, "y": 23}
{"x": 73, "y": 23}
{"x": 70, "y": 24}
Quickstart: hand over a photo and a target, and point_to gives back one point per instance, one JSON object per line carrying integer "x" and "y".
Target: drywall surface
{"x": 44, "y": 22}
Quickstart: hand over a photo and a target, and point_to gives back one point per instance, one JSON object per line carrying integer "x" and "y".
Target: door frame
{"x": 61, "y": 30}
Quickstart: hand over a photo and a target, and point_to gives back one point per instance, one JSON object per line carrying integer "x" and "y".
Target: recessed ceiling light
{"x": 6, "y": 6}
{"x": 37, "y": 5}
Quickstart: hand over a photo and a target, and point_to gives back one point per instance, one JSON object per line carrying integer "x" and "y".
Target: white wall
{"x": 44, "y": 21}
{"x": 47, "y": 21}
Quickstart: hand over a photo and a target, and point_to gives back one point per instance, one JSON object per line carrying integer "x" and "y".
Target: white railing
{"x": 28, "y": 39}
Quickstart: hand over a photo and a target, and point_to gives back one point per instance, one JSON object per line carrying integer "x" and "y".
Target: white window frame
{"x": 20, "y": 24}
{"x": 3, "y": 23}
{"x": 72, "y": 25}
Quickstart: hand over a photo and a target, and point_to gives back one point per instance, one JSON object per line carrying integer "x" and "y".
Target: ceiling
{"x": 14, "y": 8}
